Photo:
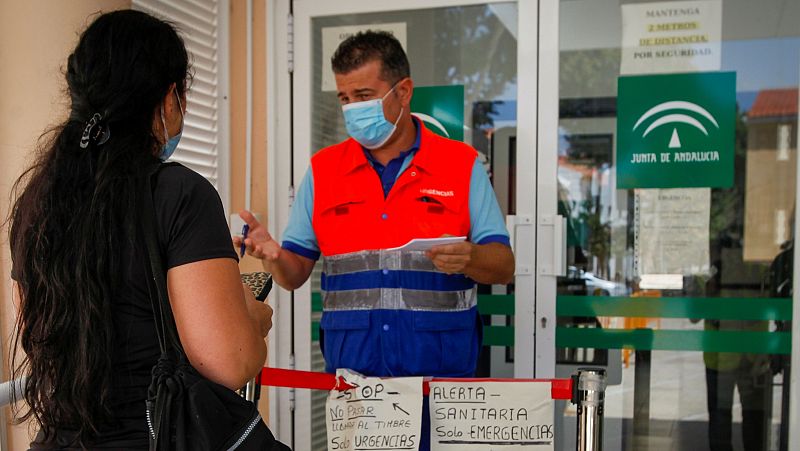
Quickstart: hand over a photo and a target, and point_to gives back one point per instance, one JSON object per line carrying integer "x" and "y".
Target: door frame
{"x": 291, "y": 348}
{"x": 794, "y": 378}
{"x": 550, "y": 239}
{"x": 279, "y": 197}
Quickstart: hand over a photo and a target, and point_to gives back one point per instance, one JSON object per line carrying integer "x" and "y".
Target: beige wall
{"x": 238, "y": 74}
{"x": 769, "y": 191}
{"x": 35, "y": 39}
{"x": 238, "y": 108}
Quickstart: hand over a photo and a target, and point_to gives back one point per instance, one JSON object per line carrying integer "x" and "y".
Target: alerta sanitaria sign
{"x": 676, "y": 130}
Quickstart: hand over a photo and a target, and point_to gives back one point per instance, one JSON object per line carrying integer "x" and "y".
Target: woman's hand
{"x": 259, "y": 311}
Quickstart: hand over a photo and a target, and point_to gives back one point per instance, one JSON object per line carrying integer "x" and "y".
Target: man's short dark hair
{"x": 366, "y": 46}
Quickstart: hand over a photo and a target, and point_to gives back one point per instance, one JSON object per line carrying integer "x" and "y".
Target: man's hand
{"x": 288, "y": 269}
{"x": 484, "y": 263}
{"x": 452, "y": 258}
{"x": 259, "y": 242}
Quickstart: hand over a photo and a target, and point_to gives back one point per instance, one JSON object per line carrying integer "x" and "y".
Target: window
{"x": 204, "y": 144}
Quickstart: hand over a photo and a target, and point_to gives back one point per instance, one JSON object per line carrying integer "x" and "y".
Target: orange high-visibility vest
{"x": 428, "y": 200}
{"x": 390, "y": 312}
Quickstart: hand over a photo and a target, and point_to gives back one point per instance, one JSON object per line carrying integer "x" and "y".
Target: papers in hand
{"x": 423, "y": 244}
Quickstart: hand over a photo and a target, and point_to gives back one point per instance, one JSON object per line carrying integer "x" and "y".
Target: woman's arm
{"x": 221, "y": 327}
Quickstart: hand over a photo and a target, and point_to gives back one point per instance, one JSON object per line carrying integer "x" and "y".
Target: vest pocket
{"x": 439, "y": 204}
{"x": 347, "y": 340}
{"x": 342, "y": 202}
{"x": 446, "y": 341}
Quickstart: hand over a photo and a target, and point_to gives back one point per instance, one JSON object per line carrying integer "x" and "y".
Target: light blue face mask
{"x": 170, "y": 144}
{"x": 366, "y": 124}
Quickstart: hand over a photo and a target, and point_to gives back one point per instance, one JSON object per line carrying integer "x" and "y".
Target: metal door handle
{"x": 557, "y": 265}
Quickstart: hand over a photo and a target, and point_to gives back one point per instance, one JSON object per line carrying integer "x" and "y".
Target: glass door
{"x": 464, "y": 58}
{"x": 677, "y": 172}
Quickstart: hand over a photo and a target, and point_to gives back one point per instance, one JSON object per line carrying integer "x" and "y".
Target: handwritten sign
{"x": 485, "y": 416}
{"x": 377, "y": 414}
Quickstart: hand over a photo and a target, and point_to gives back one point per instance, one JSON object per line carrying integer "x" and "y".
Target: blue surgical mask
{"x": 170, "y": 144}
{"x": 366, "y": 124}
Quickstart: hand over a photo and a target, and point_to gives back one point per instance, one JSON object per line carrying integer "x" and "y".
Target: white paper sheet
{"x": 375, "y": 414}
{"x": 423, "y": 244}
{"x": 670, "y": 37}
{"x": 491, "y": 416}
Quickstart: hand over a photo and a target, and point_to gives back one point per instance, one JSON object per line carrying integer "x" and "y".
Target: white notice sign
{"x": 333, "y": 36}
{"x": 376, "y": 414}
{"x": 672, "y": 231}
{"x": 491, "y": 416}
{"x": 667, "y": 37}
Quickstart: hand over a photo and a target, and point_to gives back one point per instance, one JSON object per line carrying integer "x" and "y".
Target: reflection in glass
{"x": 683, "y": 396}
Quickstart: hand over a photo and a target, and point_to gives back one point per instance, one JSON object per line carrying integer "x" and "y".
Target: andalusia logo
{"x": 431, "y": 121}
{"x": 441, "y": 108}
{"x": 676, "y": 130}
{"x": 677, "y": 110}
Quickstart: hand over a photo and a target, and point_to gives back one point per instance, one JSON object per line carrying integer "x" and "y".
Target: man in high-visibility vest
{"x": 391, "y": 312}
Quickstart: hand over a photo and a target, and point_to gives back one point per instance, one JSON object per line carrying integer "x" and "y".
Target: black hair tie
{"x": 95, "y": 132}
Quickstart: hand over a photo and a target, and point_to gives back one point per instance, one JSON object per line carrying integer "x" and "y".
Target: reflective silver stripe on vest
{"x": 399, "y": 299}
{"x": 376, "y": 260}
{"x": 390, "y": 298}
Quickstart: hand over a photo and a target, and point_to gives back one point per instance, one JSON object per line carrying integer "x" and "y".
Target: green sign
{"x": 441, "y": 108}
{"x": 676, "y": 130}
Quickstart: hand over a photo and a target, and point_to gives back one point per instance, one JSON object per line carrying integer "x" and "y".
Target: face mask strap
{"x": 393, "y": 86}
{"x": 389, "y": 92}
{"x": 397, "y": 121}
{"x": 398, "y": 117}
{"x": 164, "y": 123}
{"x": 180, "y": 108}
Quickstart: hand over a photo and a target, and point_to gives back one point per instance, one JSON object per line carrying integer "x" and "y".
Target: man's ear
{"x": 405, "y": 90}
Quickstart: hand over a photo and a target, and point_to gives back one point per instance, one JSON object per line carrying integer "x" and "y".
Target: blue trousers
{"x": 425, "y": 437}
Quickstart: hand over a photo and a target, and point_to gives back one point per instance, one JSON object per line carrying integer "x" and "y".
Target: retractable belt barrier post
{"x": 589, "y": 387}
{"x": 586, "y": 388}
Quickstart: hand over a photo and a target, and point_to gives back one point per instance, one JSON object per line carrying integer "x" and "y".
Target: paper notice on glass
{"x": 671, "y": 232}
{"x": 375, "y": 414}
{"x": 668, "y": 37}
{"x": 491, "y": 416}
{"x": 423, "y": 244}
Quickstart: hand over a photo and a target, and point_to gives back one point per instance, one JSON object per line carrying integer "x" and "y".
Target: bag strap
{"x": 166, "y": 329}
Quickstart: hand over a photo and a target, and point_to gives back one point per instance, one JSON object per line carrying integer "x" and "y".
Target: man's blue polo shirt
{"x": 487, "y": 224}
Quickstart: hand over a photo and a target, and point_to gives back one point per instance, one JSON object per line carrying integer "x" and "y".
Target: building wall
{"x": 36, "y": 37}
{"x": 769, "y": 206}
{"x": 238, "y": 104}
{"x": 238, "y": 109}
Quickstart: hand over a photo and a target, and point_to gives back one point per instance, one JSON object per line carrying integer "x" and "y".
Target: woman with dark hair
{"x": 85, "y": 322}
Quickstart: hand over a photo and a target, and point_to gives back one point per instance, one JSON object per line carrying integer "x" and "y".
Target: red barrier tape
{"x": 278, "y": 377}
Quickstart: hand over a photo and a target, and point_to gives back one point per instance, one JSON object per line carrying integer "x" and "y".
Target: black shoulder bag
{"x": 186, "y": 411}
